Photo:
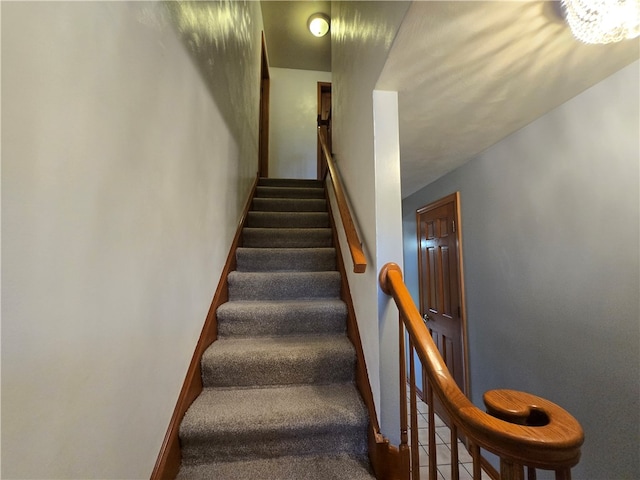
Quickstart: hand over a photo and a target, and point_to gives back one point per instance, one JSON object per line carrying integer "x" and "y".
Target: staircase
{"x": 279, "y": 400}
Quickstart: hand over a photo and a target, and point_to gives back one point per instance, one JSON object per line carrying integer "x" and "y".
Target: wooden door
{"x": 324, "y": 122}
{"x": 441, "y": 285}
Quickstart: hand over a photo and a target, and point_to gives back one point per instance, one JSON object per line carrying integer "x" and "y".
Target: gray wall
{"x": 551, "y": 244}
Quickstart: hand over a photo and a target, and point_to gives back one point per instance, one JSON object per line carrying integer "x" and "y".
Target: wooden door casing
{"x": 263, "y": 133}
{"x": 441, "y": 282}
{"x": 324, "y": 119}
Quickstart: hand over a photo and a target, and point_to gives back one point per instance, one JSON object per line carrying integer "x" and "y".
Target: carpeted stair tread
{"x": 316, "y": 467}
{"x": 287, "y": 237}
{"x": 283, "y": 285}
{"x": 285, "y": 259}
{"x": 289, "y": 192}
{"x": 287, "y": 220}
{"x": 286, "y": 317}
{"x": 289, "y": 204}
{"x": 226, "y": 424}
{"x": 290, "y": 182}
{"x": 279, "y": 400}
{"x": 288, "y": 360}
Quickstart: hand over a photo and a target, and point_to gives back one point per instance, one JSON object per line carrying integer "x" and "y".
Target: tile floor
{"x": 443, "y": 449}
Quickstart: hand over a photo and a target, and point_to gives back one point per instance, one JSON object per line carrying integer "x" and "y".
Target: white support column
{"x": 388, "y": 208}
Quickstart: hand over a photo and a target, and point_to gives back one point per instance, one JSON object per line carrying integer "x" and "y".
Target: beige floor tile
{"x": 463, "y": 454}
{"x": 423, "y": 436}
{"x": 469, "y": 468}
{"x": 424, "y": 474}
{"x": 439, "y": 422}
{"x": 443, "y": 435}
{"x": 445, "y": 472}
{"x": 424, "y": 457}
{"x": 443, "y": 455}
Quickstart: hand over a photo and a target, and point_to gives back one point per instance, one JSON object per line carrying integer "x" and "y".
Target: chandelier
{"x": 603, "y": 21}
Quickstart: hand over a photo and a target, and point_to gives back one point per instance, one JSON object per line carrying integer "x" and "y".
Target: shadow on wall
{"x": 221, "y": 40}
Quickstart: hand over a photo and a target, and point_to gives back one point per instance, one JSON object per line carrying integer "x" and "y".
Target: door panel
{"x": 439, "y": 276}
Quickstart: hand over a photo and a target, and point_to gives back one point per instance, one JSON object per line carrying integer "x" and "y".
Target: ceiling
{"x": 289, "y": 42}
{"x": 467, "y": 74}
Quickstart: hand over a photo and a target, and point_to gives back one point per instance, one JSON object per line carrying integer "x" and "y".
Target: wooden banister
{"x": 522, "y": 429}
{"x": 355, "y": 246}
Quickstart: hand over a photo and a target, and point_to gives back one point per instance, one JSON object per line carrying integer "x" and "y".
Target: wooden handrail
{"x": 522, "y": 429}
{"x": 355, "y": 246}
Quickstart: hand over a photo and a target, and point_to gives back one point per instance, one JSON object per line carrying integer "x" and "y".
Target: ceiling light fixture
{"x": 318, "y": 24}
{"x": 603, "y": 21}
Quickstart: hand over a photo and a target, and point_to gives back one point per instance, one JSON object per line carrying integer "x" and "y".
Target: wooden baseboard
{"x": 170, "y": 457}
{"x": 391, "y": 462}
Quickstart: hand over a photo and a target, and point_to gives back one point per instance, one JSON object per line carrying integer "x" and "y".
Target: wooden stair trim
{"x": 169, "y": 458}
{"x": 520, "y": 428}
{"x": 353, "y": 240}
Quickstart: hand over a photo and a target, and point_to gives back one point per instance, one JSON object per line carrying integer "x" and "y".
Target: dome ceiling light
{"x": 603, "y": 21}
{"x": 318, "y": 24}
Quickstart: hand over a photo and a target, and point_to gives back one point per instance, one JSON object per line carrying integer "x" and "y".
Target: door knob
{"x": 426, "y": 318}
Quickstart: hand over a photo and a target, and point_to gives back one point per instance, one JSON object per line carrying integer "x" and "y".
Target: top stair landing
{"x": 289, "y": 188}
{"x": 290, "y": 182}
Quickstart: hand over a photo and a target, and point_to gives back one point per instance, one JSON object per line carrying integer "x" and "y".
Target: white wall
{"x": 362, "y": 33}
{"x": 388, "y": 210}
{"x": 293, "y": 113}
{"x": 551, "y": 244}
{"x": 122, "y": 185}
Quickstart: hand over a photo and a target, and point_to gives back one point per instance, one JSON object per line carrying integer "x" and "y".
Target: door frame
{"x": 263, "y": 132}
{"x": 455, "y": 198}
{"x": 323, "y": 87}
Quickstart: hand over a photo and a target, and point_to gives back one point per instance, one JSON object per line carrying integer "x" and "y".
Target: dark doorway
{"x": 263, "y": 139}
{"x": 324, "y": 123}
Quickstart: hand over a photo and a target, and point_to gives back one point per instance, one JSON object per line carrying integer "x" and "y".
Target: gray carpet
{"x": 279, "y": 400}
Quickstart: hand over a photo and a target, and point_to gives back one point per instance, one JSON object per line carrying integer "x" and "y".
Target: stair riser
{"x": 284, "y": 468}
{"x": 289, "y": 204}
{"x": 290, "y": 182}
{"x": 245, "y": 328}
{"x": 237, "y": 447}
{"x": 283, "y": 286}
{"x": 327, "y": 367}
{"x": 289, "y": 192}
{"x": 244, "y": 321}
{"x": 288, "y": 220}
{"x": 282, "y": 259}
{"x": 286, "y": 238}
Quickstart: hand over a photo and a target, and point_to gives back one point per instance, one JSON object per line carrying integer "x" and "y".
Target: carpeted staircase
{"x": 279, "y": 399}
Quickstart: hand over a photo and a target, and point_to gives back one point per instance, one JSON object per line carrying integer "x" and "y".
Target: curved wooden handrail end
{"x": 524, "y": 408}
{"x": 518, "y": 427}
{"x": 383, "y": 276}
